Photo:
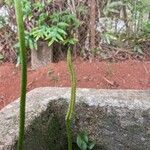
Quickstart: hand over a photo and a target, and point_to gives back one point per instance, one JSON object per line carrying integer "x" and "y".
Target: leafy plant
{"x": 60, "y": 31}
{"x": 30, "y": 42}
{"x": 56, "y": 27}
{"x": 108, "y": 37}
{"x": 50, "y": 34}
{"x": 112, "y": 7}
{"x": 146, "y": 29}
{"x": 125, "y": 23}
{"x": 82, "y": 9}
{"x": 83, "y": 142}
{"x": 43, "y": 24}
{"x": 2, "y": 22}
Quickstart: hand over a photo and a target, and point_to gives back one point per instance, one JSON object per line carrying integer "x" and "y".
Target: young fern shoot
{"x": 21, "y": 36}
{"x": 70, "y": 111}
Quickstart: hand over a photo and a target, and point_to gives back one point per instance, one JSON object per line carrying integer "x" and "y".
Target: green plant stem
{"x": 72, "y": 100}
{"x": 20, "y": 25}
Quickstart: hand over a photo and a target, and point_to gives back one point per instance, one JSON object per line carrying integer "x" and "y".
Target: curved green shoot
{"x": 70, "y": 111}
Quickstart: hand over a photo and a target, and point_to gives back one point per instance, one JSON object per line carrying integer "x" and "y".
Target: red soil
{"x": 99, "y": 75}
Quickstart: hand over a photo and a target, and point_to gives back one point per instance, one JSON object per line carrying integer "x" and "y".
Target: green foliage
{"x": 2, "y": 22}
{"x": 146, "y": 29}
{"x": 50, "y": 34}
{"x": 83, "y": 142}
{"x": 82, "y": 9}
{"x": 112, "y": 7}
{"x": 1, "y": 56}
{"x": 62, "y": 26}
{"x": 42, "y": 24}
{"x": 29, "y": 42}
{"x": 56, "y": 27}
{"x": 65, "y": 24}
{"x": 135, "y": 28}
{"x": 9, "y": 2}
{"x": 67, "y": 17}
{"x": 59, "y": 26}
{"x": 108, "y": 37}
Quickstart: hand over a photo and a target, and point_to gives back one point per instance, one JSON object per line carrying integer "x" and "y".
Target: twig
{"x": 145, "y": 68}
{"x": 108, "y": 81}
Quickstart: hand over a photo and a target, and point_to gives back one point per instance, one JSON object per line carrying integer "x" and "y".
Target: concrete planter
{"x": 116, "y": 119}
{"x": 42, "y": 56}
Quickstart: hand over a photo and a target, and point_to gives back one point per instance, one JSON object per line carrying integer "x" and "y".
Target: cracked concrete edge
{"x": 38, "y": 99}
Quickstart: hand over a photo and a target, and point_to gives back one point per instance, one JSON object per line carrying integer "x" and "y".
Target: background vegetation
{"x": 105, "y": 29}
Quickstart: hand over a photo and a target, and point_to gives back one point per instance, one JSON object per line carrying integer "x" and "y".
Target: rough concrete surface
{"x": 115, "y": 119}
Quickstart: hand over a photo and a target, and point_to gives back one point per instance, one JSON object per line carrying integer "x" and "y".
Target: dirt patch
{"x": 99, "y": 75}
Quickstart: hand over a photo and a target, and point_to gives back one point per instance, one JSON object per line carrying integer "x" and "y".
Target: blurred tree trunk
{"x": 125, "y": 18}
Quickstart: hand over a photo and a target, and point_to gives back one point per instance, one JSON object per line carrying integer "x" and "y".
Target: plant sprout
{"x": 21, "y": 36}
{"x": 72, "y": 100}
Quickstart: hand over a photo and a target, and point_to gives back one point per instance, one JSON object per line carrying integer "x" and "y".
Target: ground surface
{"x": 99, "y": 75}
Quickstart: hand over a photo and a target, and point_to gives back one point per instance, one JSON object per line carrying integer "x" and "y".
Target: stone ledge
{"x": 127, "y": 116}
